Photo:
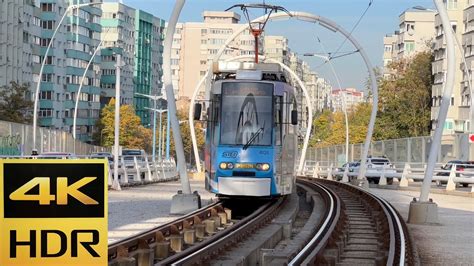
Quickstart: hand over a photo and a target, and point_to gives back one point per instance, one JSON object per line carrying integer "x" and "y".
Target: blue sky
{"x": 381, "y": 19}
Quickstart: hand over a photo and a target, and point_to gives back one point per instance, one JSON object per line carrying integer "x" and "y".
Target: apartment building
{"x": 389, "y": 52}
{"x": 415, "y": 34}
{"x": 466, "y": 104}
{"x": 138, "y": 36}
{"x": 11, "y": 41}
{"x": 457, "y": 120}
{"x": 25, "y": 32}
{"x": 200, "y": 42}
{"x": 276, "y": 47}
{"x": 351, "y": 96}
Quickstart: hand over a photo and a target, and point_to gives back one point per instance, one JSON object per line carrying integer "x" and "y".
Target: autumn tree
{"x": 405, "y": 98}
{"x": 132, "y": 134}
{"x": 15, "y": 106}
{"x": 186, "y": 137}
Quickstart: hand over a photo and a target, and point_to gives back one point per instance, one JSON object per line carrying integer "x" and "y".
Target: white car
{"x": 375, "y": 167}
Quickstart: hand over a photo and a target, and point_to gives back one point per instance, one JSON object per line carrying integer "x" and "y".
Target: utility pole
{"x": 424, "y": 210}
{"x": 183, "y": 202}
{"x": 115, "y": 183}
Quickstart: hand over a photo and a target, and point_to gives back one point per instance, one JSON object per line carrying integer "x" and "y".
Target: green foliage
{"x": 404, "y": 101}
{"x": 403, "y": 111}
{"x": 186, "y": 137}
{"x": 14, "y": 105}
{"x": 132, "y": 134}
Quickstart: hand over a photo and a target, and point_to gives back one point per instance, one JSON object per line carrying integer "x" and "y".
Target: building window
{"x": 45, "y": 95}
{"x": 47, "y": 7}
{"x": 452, "y": 4}
{"x": 45, "y": 112}
{"x": 409, "y": 47}
{"x": 47, "y": 24}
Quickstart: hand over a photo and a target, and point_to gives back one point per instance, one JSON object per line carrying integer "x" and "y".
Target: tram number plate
{"x": 244, "y": 165}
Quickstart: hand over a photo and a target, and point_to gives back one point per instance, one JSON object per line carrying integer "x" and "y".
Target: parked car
{"x": 100, "y": 155}
{"x": 340, "y": 170}
{"x": 57, "y": 155}
{"x": 129, "y": 154}
{"x": 374, "y": 168}
{"x": 462, "y": 166}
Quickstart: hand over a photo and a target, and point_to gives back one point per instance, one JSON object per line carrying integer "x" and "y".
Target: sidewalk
{"x": 135, "y": 209}
{"x": 449, "y": 243}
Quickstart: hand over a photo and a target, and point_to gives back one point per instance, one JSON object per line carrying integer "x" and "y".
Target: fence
{"x": 406, "y": 174}
{"x": 416, "y": 150}
{"x": 17, "y": 139}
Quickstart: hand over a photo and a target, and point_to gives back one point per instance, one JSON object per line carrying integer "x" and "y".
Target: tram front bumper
{"x": 244, "y": 186}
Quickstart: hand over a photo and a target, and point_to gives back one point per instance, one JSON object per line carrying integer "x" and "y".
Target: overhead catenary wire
{"x": 355, "y": 25}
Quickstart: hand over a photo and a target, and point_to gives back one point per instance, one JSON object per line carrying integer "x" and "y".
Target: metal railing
{"x": 133, "y": 170}
{"x": 404, "y": 172}
{"x": 412, "y": 150}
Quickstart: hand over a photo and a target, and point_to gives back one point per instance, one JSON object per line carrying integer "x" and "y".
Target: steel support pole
{"x": 170, "y": 96}
{"x": 154, "y": 133}
{"x": 160, "y": 155}
{"x": 343, "y": 101}
{"x": 115, "y": 183}
{"x": 446, "y": 99}
{"x": 76, "y": 105}
{"x": 167, "y": 136}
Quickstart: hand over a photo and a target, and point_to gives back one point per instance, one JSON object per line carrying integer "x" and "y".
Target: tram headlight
{"x": 262, "y": 166}
{"x": 225, "y": 166}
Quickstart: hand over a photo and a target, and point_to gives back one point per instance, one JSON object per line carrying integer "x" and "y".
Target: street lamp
{"x": 327, "y": 59}
{"x": 118, "y": 65}
{"x": 74, "y": 121}
{"x": 161, "y": 111}
{"x": 35, "y": 107}
{"x": 154, "y": 98}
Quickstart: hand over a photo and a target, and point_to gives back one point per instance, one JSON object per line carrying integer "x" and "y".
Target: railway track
{"x": 345, "y": 226}
{"x": 358, "y": 228}
{"x": 192, "y": 239}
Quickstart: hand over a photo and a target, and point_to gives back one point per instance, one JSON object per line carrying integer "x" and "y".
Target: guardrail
{"x": 143, "y": 170}
{"x": 133, "y": 170}
{"x": 404, "y": 173}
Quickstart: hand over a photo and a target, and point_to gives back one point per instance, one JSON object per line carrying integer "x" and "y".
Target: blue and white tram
{"x": 251, "y": 140}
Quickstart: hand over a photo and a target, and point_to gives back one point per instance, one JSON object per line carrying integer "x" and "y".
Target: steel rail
{"x": 131, "y": 243}
{"x": 211, "y": 246}
{"x": 321, "y": 235}
{"x": 399, "y": 244}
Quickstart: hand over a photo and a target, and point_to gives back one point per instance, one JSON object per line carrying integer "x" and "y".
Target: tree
{"x": 132, "y": 134}
{"x": 14, "y": 103}
{"x": 186, "y": 137}
{"x": 405, "y": 99}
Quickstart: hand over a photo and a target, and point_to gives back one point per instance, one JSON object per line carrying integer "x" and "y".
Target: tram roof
{"x": 234, "y": 66}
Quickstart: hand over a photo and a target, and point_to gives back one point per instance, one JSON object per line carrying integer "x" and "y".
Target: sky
{"x": 382, "y": 18}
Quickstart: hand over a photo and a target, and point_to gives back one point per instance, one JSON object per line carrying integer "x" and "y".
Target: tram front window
{"x": 246, "y": 117}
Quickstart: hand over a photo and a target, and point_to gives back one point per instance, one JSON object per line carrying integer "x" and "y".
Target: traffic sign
{"x": 471, "y": 138}
{"x": 54, "y": 212}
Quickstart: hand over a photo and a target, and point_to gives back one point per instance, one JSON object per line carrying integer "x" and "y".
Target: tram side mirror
{"x": 197, "y": 111}
{"x": 294, "y": 117}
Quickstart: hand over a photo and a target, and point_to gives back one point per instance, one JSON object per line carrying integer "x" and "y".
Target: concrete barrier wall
{"x": 17, "y": 139}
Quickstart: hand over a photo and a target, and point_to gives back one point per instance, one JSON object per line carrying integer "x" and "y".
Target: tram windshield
{"x": 246, "y": 117}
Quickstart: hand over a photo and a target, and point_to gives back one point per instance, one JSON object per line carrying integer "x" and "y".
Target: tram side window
{"x": 215, "y": 118}
{"x": 292, "y": 106}
{"x": 278, "y": 119}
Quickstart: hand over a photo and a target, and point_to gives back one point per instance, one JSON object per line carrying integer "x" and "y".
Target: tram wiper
{"x": 254, "y": 136}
